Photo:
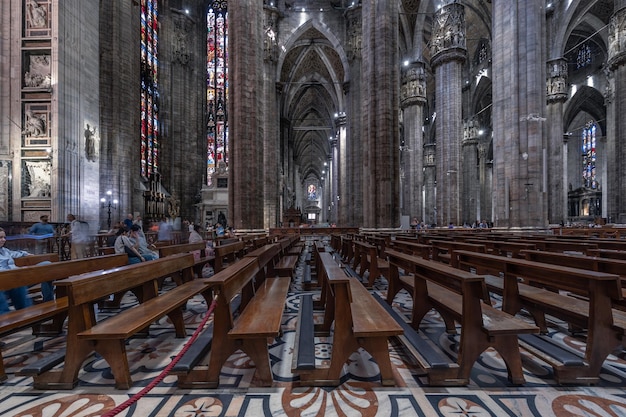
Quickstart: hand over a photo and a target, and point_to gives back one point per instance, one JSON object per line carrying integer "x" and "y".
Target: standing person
{"x": 219, "y": 230}
{"x": 42, "y": 229}
{"x": 79, "y": 237}
{"x": 165, "y": 231}
{"x": 19, "y": 295}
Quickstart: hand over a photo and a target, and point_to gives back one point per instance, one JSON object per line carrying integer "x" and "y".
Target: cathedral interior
{"x": 347, "y": 113}
{"x": 355, "y": 113}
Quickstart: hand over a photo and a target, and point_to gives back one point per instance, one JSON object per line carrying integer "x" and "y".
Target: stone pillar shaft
{"x": 449, "y": 51}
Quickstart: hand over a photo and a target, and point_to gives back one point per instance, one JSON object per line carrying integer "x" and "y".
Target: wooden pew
{"x": 200, "y": 261}
{"x": 591, "y": 263}
{"x": 55, "y": 310}
{"x": 260, "y": 297}
{"x": 107, "y": 338}
{"x": 411, "y": 247}
{"x": 461, "y": 296}
{"x": 32, "y": 260}
{"x": 504, "y": 247}
{"x": 367, "y": 259}
{"x": 605, "y": 328}
{"x": 286, "y": 267}
{"x": 442, "y": 249}
{"x": 227, "y": 253}
{"x": 358, "y": 322}
{"x": 559, "y": 245}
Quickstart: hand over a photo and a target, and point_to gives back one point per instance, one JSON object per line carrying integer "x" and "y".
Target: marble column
{"x": 448, "y": 53}
{"x": 412, "y": 101}
{"x": 556, "y": 90}
{"x": 615, "y": 100}
{"x": 333, "y": 166}
{"x": 271, "y": 139}
{"x": 519, "y": 106}
{"x": 350, "y": 195}
{"x": 469, "y": 173}
{"x": 380, "y": 114}
{"x": 246, "y": 115}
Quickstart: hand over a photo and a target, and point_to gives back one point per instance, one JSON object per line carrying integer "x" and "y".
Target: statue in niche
{"x": 38, "y": 75}
{"x": 36, "y": 14}
{"x": 91, "y": 140}
{"x": 35, "y": 124}
{"x": 39, "y": 173}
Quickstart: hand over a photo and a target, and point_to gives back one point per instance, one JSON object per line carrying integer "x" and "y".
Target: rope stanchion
{"x": 115, "y": 411}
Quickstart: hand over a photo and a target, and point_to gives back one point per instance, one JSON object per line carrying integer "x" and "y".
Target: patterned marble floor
{"x": 489, "y": 393}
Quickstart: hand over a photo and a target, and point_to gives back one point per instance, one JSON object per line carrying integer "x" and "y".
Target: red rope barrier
{"x": 165, "y": 371}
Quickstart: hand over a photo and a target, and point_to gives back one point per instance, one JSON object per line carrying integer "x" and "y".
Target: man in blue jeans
{"x": 19, "y": 295}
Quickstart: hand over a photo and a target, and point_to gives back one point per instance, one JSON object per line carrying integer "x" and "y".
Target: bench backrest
{"x": 611, "y": 266}
{"x": 92, "y": 286}
{"x": 454, "y": 279}
{"x": 563, "y": 277}
{"x": 267, "y": 256}
{"x": 180, "y": 248}
{"x": 31, "y": 275}
{"x": 31, "y": 260}
{"x": 234, "y": 278}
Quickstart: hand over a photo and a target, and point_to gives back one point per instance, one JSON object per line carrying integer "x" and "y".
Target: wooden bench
{"x": 411, "y": 247}
{"x": 605, "y": 326}
{"x": 200, "y": 260}
{"x": 367, "y": 259}
{"x": 32, "y": 260}
{"x": 286, "y": 267}
{"x": 55, "y": 310}
{"x": 227, "y": 253}
{"x": 461, "y": 296}
{"x": 442, "y": 249}
{"x": 591, "y": 263}
{"x": 503, "y": 247}
{"x": 108, "y": 337}
{"x": 261, "y": 301}
{"x": 559, "y": 245}
{"x": 357, "y": 322}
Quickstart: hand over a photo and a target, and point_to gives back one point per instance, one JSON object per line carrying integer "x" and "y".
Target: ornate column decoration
{"x": 181, "y": 51}
{"x": 354, "y": 33}
{"x": 412, "y": 101}
{"x": 448, "y": 51}
{"x": 556, "y": 93}
{"x": 270, "y": 32}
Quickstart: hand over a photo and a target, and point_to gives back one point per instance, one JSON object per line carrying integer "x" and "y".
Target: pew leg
{"x": 508, "y": 348}
{"x": 469, "y": 351}
{"x": 257, "y": 350}
{"x": 378, "y": 347}
{"x": 3, "y": 375}
{"x": 540, "y": 319}
{"x": 176, "y": 316}
{"x": 114, "y": 352}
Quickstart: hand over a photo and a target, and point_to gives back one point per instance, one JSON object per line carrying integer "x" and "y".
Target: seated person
{"x": 141, "y": 244}
{"x": 19, "y": 295}
{"x": 195, "y": 236}
{"x": 123, "y": 244}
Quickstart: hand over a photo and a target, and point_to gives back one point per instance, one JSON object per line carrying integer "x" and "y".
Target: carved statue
{"x": 37, "y": 15}
{"x": 39, "y": 172}
{"x": 35, "y": 125}
{"x": 91, "y": 139}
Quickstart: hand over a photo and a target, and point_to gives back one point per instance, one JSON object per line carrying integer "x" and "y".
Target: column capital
{"x": 448, "y": 39}
{"x": 413, "y": 85}
{"x": 617, "y": 31}
{"x": 556, "y": 83}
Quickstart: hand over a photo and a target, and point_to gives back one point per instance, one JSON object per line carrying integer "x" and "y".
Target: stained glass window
{"x": 589, "y": 156}
{"x": 149, "y": 88}
{"x": 217, "y": 86}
